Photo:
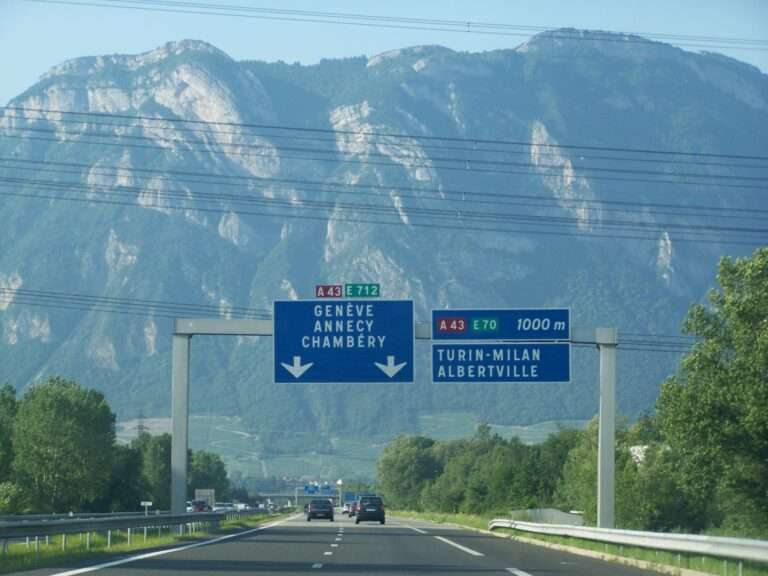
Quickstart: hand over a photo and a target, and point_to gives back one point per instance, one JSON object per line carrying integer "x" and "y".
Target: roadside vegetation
{"x": 698, "y": 465}
{"x": 58, "y": 453}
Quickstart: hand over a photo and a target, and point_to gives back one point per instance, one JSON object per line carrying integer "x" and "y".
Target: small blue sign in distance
{"x": 501, "y": 362}
{"x": 345, "y": 341}
{"x": 517, "y": 324}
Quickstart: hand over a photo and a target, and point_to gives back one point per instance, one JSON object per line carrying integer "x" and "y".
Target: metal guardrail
{"x": 77, "y": 516}
{"x": 717, "y": 546}
{"x": 192, "y": 521}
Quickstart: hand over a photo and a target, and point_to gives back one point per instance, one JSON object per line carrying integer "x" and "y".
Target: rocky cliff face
{"x": 229, "y": 211}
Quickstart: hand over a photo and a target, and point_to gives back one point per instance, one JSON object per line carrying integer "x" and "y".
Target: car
{"x": 370, "y": 508}
{"x": 320, "y": 509}
{"x": 198, "y": 506}
{"x": 345, "y": 508}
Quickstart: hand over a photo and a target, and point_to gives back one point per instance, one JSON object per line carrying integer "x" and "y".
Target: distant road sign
{"x": 309, "y": 489}
{"x": 348, "y": 341}
{"x": 328, "y": 291}
{"x": 519, "y": 324}
{"x": 362, "y": 290}
{"x": 501, "y": 362}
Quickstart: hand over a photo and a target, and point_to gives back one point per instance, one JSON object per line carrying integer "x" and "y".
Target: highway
{"x": 297, "y": 547}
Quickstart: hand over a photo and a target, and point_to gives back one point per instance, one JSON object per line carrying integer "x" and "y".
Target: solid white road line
{"x": 460, "y": 547}
{"x": 169, "y": 550}
{"x": 517, "y": 572}
{"x": 419, "y": 530}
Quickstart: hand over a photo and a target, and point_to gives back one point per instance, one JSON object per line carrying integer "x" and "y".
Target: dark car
{"x": 370, "y": 508}
{"x": 320, "y": 509}
{"x": 200, "y": 506}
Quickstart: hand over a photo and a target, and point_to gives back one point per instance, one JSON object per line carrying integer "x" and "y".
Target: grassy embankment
{"x": 23, "y": 557}
{"x": 708, "y": 564}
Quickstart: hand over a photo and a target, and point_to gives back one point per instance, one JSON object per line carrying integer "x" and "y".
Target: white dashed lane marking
{"x": 459, "y": 546}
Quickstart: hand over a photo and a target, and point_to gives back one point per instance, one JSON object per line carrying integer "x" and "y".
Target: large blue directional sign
{"x": 347, "y": 341}
{"x": 518, "y": 324}
{"x": 501, "y": 362}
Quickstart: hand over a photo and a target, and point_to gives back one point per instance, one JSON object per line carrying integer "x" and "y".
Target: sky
{"x": 35, "y": 36}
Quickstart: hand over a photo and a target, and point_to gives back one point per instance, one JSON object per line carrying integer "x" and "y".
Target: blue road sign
{"x": 310, "y": 489}
{"x": 348, "y": 341}
{"x": 501, "y": 362}
{"x": 520, "y": 324}
{"x": 350, "y": 496}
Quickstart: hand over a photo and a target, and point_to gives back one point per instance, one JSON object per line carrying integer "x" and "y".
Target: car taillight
{"x": 381, "y": 508}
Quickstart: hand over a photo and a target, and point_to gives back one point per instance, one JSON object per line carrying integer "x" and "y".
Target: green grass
{"x": 708, "y": 564}
{"x": 20, "y": 557}
{"x": 471, "y": 520}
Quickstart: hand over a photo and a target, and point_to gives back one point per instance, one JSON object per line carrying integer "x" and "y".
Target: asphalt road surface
{"x": 298, "y": 547}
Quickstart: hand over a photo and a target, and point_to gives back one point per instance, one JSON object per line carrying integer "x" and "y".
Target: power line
{"x": 209, "y": 130}
{"x": 166, "y": 309}
{"x": 395, "y": 165}
{"x": 395, "y": 135}
{"x": 379, "y": 209}
{"x": 415, "y": 24}
{"x": 432, "y": 162}
{"x": 157, "y": 307}
{"x": 441, "y": 194}
{"x": 455, "y": 227}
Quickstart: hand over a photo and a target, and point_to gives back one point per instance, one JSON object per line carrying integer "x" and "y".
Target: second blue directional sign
{"x": 502, "y": 345}
{"x": 345, "y": 341}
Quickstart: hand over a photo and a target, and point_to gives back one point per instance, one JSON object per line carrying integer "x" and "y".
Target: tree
{"x": 62, "y": 441}
{"x": 405, "y": 466}
{"x": 577, "y": 489}
{"x": 714, "y": 412}
{"x": 7, "y": 414}
{"x": 10, "y": 498}
{"x": 207, "y": 470}
{"x": 127, "y": 487}
{"x": 155, "y": 467}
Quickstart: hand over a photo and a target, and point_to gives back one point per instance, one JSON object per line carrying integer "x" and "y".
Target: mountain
{"x": 231, "y": 210}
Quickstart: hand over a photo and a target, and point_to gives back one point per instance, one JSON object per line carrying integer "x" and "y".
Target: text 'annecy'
{"x": 343, "y": 326}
